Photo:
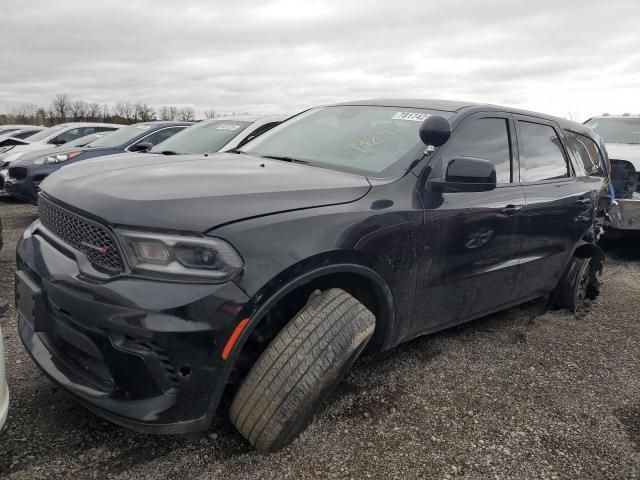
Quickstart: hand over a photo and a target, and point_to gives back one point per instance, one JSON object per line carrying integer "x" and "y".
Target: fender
{"x": 255, "y": 315}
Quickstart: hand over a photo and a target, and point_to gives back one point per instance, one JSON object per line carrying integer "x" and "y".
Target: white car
{"x": 621, "y": 135}
{"x": 49, "y": 137}
{"x": 4, "y": 390}
{"x": 18, "y": 131}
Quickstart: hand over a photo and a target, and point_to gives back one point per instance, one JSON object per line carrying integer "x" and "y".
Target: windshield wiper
{"x": 285, "y": 159}
{"x": 168, "y": 152}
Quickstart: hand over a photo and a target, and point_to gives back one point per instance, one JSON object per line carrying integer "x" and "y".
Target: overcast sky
{"x": 578, "y": 56}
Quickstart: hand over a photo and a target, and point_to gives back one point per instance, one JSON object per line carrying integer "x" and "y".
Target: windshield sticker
{"x": 143, "y": 127}
{"x": 370, "y": 141}
{"x": 412, "y": 116}
{"x": 228, "y": 127}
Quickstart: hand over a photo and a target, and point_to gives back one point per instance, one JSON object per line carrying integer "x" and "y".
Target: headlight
{"x": 6, "y": 148}
{"x": 63, "y": 157}
{"x": 202, "y": 257}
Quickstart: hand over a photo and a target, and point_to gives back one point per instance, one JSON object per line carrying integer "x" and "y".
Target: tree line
{"x": 64, "y": 109}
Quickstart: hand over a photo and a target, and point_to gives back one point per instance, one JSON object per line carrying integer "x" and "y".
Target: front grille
{"x": 19, "y": 173}
{"x": 91, "y": 238}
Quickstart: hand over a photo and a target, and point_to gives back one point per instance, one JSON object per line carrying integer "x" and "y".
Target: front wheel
{"x": 300, "y": 367}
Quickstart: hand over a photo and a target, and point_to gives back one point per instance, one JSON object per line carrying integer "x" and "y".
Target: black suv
{"x": 158, "y": 289}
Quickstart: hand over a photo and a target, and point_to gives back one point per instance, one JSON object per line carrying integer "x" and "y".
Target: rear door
{"x": 471, "y": 240}
{"x": 555, "y": 205}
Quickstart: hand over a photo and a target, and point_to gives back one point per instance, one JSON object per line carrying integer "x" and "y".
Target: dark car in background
{"x": 621, "y": 134}
{"x": 25, "y": 174}
{"x": 154, "y": 290}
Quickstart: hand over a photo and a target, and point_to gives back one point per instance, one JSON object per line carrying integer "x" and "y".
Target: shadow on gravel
{"x": 366, "y": 388}
{"x": 630, "y": 419}
{"x": 626, "y": 248}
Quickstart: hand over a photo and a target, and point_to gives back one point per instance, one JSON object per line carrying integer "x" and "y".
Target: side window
{"x": 25, "y": 134}
{"x": 87, "y": 131}
{"x": 105, "y": 129}
{"x": 161, "y": 135}
{"x": 587, "y": 151}
{"x": 486, "y": 138}
{"x": 541, "y": 154}
{"x": 66, "y": 136}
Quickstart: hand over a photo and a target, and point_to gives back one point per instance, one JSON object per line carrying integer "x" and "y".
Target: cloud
{"x": 284, "y": 55}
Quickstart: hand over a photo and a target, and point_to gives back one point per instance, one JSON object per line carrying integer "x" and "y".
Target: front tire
{"x": 300, "y": 367}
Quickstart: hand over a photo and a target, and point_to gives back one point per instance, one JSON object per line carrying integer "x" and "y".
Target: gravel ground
{"x": 527, "y": 393}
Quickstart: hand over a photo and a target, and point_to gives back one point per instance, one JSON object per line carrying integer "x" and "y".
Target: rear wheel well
{"x": 593, "y": 251}
{"x": 364, "y": 289}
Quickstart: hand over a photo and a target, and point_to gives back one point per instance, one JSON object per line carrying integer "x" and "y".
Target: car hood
{"x": 197, "y": 192}
{"x": 624, "y": 151}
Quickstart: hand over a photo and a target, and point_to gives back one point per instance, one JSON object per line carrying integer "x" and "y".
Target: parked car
{"x": 621, "y": 135}
{"x": 12, "y": 148}
{"x": 216, "y": 135}
{"x": 155, "y": 289}
{"x": 24, "y": 176}
{"x": 4, "y": 389}
{"x": 34, "y": 155}
{"x": 18, "y": 131}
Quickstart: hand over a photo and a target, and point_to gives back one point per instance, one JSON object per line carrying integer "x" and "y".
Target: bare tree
{"x": 106, "y": 112}
{"x": 78, "y": 110}
{"x": 168, "y": 113}
{"x": 93, "y": 111}
{"x": 126, "y": 111}
{"x": 144, "y": 112}
{"x": 60, "y": 107}
{"x": 210, "y": 114}
{"x": 186, "y": 114}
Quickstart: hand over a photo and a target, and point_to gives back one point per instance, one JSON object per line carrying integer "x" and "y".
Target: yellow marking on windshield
{"x": 373, "y": 139}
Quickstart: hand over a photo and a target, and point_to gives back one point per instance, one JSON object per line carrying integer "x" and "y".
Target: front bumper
{"x": 27, "y": 186}
{"x": 142, "y": 353}
{"x": 625, "y": 215}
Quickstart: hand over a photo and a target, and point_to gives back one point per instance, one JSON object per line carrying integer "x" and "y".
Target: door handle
{"x": 584, "y": 201}
{"x": 512, "y": 209}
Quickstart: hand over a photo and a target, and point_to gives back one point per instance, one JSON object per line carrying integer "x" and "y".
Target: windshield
{"x": 617, "y": 130}
{"x": 207, "y": 136}
{"x": 367, "y": 140}
{"x": 46, "y": 133}
{"x": 121, "y": 136}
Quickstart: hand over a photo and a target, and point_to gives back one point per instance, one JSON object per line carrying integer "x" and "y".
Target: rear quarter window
{"x": 587, "y": 152}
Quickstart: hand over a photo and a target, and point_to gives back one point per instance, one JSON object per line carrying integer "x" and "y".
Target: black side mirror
{"x": 141, "y": 147}
{"x": 435, "y": 130}
{"x": 467, "y": 174}
{"x": 58, "y": 141}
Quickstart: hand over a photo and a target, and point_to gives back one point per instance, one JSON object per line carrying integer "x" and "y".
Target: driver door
{"x": 470, "y": 241}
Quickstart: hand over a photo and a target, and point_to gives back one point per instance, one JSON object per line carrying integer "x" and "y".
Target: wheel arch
{"x": 360, "y": 280}
{"x": 593, "y": 251}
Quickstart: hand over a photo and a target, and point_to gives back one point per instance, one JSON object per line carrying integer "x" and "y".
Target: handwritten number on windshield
{"x": 370, "y": 141}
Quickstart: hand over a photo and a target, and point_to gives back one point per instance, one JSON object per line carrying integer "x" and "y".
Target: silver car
{"x": 621, "y": 134}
